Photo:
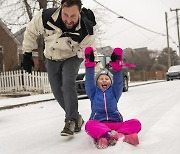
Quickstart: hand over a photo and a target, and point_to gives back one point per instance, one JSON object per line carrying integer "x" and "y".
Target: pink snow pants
{"x": 96, "y": 129}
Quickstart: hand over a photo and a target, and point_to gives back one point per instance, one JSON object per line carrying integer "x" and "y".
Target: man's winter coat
{"x": 104, "y": 104}
{"x": 60, "y": 43}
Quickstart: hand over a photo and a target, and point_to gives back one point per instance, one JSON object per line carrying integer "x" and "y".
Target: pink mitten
{"x": 89, "y": 57}
{"x": 116, "y": 59}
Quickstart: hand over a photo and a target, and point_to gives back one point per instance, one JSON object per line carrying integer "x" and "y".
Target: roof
{"x": 2, "y": 24}
{"x": 20, "y": 35}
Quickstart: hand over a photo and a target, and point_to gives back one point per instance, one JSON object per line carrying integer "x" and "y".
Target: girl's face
{"x": 103, "y": 82}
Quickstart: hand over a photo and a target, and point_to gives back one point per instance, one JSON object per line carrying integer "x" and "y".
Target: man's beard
{"x": 70, "y": 26}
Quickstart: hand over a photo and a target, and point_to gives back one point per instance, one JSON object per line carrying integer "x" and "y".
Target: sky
{"x": 35, "y": 129}
{"x": 147, "y": 13}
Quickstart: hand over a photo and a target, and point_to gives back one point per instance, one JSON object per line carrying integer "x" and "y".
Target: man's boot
{"x": 68, "y": 128}
{"x": 78, "y": 124}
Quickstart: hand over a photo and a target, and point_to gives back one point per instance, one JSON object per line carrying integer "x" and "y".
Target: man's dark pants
{"x": 62, "y": 77}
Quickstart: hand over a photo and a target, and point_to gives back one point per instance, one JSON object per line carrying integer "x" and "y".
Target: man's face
{"x": 103, "y": 82}
{"x": 70, "y": 16}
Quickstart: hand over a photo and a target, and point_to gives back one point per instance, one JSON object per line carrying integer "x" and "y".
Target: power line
{"x": 117, "y": 33}
{"x": 173, "y": 41}
{"x": 119, "y": 16}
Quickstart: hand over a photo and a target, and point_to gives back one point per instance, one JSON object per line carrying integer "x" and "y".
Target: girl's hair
{"x": 69, "y": 3}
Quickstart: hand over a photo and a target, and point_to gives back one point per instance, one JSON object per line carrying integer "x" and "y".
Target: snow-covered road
{"x": 35, "y": 129}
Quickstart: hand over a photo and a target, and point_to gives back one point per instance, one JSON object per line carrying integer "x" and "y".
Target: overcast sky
{"x": 147, "y": 13}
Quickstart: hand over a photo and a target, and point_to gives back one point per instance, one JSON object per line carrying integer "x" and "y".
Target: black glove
{"x": 27, "y": 62}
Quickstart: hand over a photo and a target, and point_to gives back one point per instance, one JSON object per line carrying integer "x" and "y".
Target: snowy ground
{"x": 35, "y": 129}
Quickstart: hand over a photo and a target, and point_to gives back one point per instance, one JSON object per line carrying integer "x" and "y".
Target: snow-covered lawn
{"x": 34, "y": 129}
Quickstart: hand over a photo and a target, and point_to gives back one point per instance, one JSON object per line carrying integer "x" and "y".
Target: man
{"x": 67, "y": 31}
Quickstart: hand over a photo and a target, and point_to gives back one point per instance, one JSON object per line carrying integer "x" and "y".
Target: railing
{"x": 16, "y": 81}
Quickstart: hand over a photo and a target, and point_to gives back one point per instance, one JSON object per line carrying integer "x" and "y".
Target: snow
{"x": 23, "y": 100}
{"x": 35, "y": 129}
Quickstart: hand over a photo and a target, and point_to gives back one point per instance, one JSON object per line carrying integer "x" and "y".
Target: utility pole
{"x": 167, "y": 33}
{"x": 177, "y": 26}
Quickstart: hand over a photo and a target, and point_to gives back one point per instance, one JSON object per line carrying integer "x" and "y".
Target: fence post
{"x": 1, "y": 82}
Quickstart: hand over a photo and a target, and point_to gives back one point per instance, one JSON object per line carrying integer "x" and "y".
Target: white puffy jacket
{"x": 59, "y": 45}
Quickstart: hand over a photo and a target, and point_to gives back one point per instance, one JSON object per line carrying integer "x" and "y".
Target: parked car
{"x": 173, "y": 73}
{"x": 80, "y": 81}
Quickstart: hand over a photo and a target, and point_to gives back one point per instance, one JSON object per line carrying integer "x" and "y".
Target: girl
{"x": 106, "y": 123}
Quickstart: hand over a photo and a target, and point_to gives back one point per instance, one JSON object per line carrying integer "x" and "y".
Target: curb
{"x": 141, "y": 84}
{"x": 24, "y": 104}
{"x": 79, "y": 97}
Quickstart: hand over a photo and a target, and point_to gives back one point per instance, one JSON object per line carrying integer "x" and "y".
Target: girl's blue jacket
{"x": 104, "y": 104}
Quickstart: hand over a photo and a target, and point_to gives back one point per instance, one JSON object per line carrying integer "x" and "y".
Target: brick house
{"x": 20, "y": 37}
{"x": 8, "y": 49}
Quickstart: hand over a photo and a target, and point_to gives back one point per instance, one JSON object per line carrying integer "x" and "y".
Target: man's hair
{"x": 69, "y": 3}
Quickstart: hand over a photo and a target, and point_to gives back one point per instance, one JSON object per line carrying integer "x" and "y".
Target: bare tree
{"x": 163, "y": 57}
{"x": 18, "y": 13}
{"x": 141, "y": 58}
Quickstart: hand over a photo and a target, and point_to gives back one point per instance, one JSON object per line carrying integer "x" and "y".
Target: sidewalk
{"x": 8, "y": 103}
{"x": 140, "y": 83}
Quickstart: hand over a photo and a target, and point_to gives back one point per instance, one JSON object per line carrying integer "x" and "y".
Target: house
{"x": 8, "y": 49}
{"x": 20, "y": 37}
